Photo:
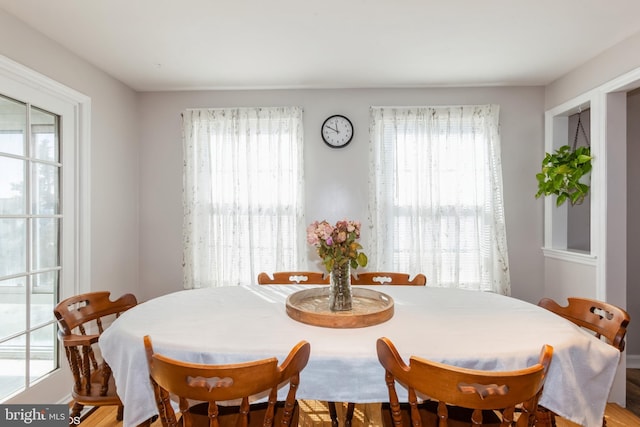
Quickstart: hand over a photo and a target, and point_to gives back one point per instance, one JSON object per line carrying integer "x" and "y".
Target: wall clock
{"x": 337, "y": 131}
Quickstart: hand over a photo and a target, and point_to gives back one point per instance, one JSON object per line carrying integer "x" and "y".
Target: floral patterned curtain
{"x": 243, "y": 194}
{"x": 436, "y": 204}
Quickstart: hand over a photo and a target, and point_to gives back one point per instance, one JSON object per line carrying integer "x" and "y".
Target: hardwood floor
{"x": 615, "y": 415}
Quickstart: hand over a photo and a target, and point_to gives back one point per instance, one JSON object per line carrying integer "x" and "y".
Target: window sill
{"x": 570, "y": 256}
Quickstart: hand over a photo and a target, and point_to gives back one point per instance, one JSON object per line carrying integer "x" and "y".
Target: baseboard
{"x": 633, "y": 361}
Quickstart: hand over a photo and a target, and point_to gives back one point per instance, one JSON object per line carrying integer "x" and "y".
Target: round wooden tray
{"x": 311, "y": 306}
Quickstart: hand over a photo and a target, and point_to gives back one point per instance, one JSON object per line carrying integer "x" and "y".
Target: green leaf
{"x": 561, "y": 198}
{"x": 329, "y": 263}
{"x": 575, "y": 197}
{"x": 362, "y": 259}
{"x": 584, "y": 188}
{"x": 583, "y": 158}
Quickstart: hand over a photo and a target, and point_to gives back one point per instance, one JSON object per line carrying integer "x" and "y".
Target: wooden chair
{"x": 377, "y": 278}
{"x": 454, "y": 389}
{"x": 385, "y": 278}
{"x": 213, "y": 384}
{"x": 296, "y": 278}
{"x": 293, "y": 277}
{"x": 81, "y": 321}
{"x": 603, "y": 319}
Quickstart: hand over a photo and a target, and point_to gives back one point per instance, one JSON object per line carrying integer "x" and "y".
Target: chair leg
{"x": 120, "y": 413}
{"x": 76, "y": 410}
{"x": 349, "y": 416}
{"x": 544, "y": 417}
{"x": 333, "y": 414}
{"x": 147, "y": 423}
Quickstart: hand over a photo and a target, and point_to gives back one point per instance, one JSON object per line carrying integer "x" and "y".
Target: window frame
{"x": 74, "y": 109}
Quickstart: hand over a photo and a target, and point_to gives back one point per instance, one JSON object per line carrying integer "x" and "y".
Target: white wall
{"x": 633, "y": 226}
{"x": 565, "y": 280}
{"x": 612, "y": 63}
{"x": 343, "y": 191}
{"x": 114, "y": 152}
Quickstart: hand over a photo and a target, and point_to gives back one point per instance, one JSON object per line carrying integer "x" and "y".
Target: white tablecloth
{"x": 464, "y": 328}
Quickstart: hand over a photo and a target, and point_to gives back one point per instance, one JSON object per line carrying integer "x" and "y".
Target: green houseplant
{"x": 563, "y": 173}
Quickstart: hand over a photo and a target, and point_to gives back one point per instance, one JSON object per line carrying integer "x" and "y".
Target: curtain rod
{"x": 433, "y": 106}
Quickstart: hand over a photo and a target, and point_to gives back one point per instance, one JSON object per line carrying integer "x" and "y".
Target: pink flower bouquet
{"x": 337, "y": 244}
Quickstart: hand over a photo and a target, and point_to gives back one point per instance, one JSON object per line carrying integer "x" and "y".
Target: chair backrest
{"x": 466, "y": 388}
{"x": 387, "y": 278}
{"x": 78, "y": 313}
{"x": 81, "y": 320}
{"x": 604, "y": 319}
{"x": 218, "y": 383}
{"x": 293, "y": 278}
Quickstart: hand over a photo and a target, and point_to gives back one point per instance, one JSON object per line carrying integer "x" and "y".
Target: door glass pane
{"x": 13, "y": 355}
{"x": 45, "y": 243}
{"x": 13, "y": 246}
{"x": 42, "y": 350}
{"x": 13, "y": 306}
{"x": 44, "y": 135}
{"x": 43, "y": 297}
{"x": 12, "y": 186}
{"x": 30, "y": 225}
{"x": 45, "y": 189}
{"x": 13, "y": 124}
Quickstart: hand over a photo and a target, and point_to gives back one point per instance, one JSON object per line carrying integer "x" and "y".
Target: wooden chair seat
{"x": 388, "y": 278}
{"x": 81, "y": 320}
{"x": 605, "y": 320}
{"x": 218, "y": 384}
{"x": 293, "y": 277}
{"x": 454, "y": 388}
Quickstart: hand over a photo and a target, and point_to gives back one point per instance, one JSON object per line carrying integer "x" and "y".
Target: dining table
{"x": 465, "y": 328}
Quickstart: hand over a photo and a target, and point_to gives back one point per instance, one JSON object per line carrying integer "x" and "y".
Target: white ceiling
{"x": 155, "y": 45}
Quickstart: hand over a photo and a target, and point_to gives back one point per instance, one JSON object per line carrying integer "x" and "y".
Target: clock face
{"x": 337, "y": 131}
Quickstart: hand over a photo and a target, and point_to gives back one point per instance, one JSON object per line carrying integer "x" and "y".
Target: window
{"x": 243, "y": 194}
{"x": 29, "y": 242}
{"x": 41, "y": 229}
{"x": 436, "y": 195}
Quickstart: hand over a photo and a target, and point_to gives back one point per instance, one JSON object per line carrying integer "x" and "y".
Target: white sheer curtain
{"x": 435, "y": 197}
{"x": 243, "y": 194}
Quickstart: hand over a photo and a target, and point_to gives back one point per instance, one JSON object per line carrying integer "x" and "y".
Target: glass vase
{"x": 340, "y": 288}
